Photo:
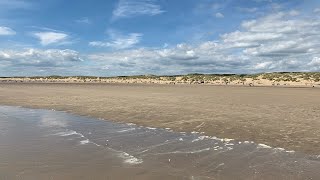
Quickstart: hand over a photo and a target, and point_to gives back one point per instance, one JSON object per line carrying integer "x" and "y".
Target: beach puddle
{"x": 44, "y": 144}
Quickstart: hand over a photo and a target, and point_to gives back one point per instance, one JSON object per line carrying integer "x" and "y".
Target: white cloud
{"x": 184, "y": 58}
{"x": 249, "y": 37}
{"x": 279, "y": 41}
{"x": 4, "y": 55}
{"x": 84, "y": 20}
{"x": 315, "y": 62}
{"x": 279, "y": 35}
{"x": 131, "y": 8}
{"x": 294, "y": 13}
{"x": 40, "y": 58}
{"x": 48, "y": 38}
{"x": 247, "y": 10}
{"x": 283, "y": 41}
{"x": 6, "y": 31}
{"x": 219, "y": 15}
{"x": 180, "y": 52}
{"x": 275, "y": 23}
{"x": 263, "y": 65}
{"x": 118, "y": 41}
{"x": 316, "y": 10}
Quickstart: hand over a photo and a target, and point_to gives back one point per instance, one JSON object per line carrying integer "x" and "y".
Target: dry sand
{"x": 280, "y": 117}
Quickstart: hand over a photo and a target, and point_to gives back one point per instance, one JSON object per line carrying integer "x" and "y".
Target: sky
{"x": 161, "y": 37}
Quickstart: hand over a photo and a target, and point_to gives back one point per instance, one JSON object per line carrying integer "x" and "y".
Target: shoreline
{"x": 202, "y": 135}
{"x": 160, "y": 106}
{"x": 77, "y": 141}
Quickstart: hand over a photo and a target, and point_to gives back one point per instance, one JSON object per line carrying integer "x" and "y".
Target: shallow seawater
{"x": 44, "y": 144}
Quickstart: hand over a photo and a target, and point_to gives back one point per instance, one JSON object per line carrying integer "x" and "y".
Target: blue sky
{"x": 127, "y": 37}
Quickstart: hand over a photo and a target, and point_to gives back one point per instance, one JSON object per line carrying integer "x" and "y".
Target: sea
{"x": 48, "y": 144}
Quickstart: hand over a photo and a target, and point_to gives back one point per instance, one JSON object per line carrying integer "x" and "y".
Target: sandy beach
{"x": 279, "y": 117}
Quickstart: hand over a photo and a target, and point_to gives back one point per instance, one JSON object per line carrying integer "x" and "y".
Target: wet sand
{"x": 279, "y": 117}
{"x": 44, "y": 144}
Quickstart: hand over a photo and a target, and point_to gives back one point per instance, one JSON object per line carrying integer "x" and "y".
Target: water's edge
{"x": 159, "y": 150}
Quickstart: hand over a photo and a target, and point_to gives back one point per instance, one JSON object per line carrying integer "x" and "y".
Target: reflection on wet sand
{"x": 42, "y": 144}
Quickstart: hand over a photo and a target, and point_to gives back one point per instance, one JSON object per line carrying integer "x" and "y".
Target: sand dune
{"x": 265, "y": 79}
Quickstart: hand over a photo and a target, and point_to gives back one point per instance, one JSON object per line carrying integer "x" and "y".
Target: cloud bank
{"x": 280, "y": 41}
{"x": 277, "y": 42}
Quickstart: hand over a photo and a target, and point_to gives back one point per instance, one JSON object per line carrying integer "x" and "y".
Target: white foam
{"x": 263, "y": 146}
{"x": 199, "y": 151}
{"x": 216, "y": 147}
{"x": 68, "y": 133}
{"x": 214, "y": 138}
{"x": 126, "y": 130}
{"x": 219, "y": 165}
{"x": 229, "y": 144}
{"x": 185, "y": 152}
{"x": 96, "y": 144}
{"x": 129, "y": 159}
{"x": 203, "y": 137}
{"x": 151, "y": 128}
{"x": 85, "y": 141}
{"x": 195, "y": 140}
{"x": 290, "y": 151}
{"x": 130, "y": 124}
{"x": 229, "y": 148}
{"x": 227, "y": 140}
{"x": 279, "y": 149}
{"x": 200, "y": 138}
{"x": 144, "y": 151}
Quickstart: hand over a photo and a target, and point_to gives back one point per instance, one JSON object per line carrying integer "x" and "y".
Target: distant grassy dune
{"x": 295, "y": 79}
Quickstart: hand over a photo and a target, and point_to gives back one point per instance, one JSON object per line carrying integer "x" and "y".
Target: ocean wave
{"x": 129, "y": 159}
{"x": 68, "y": 133}
{"x": 126, "y": 130}
{"x": 85, "y": 141}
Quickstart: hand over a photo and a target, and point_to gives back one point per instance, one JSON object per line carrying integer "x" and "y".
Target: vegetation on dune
{"x": 196, "y": 77}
